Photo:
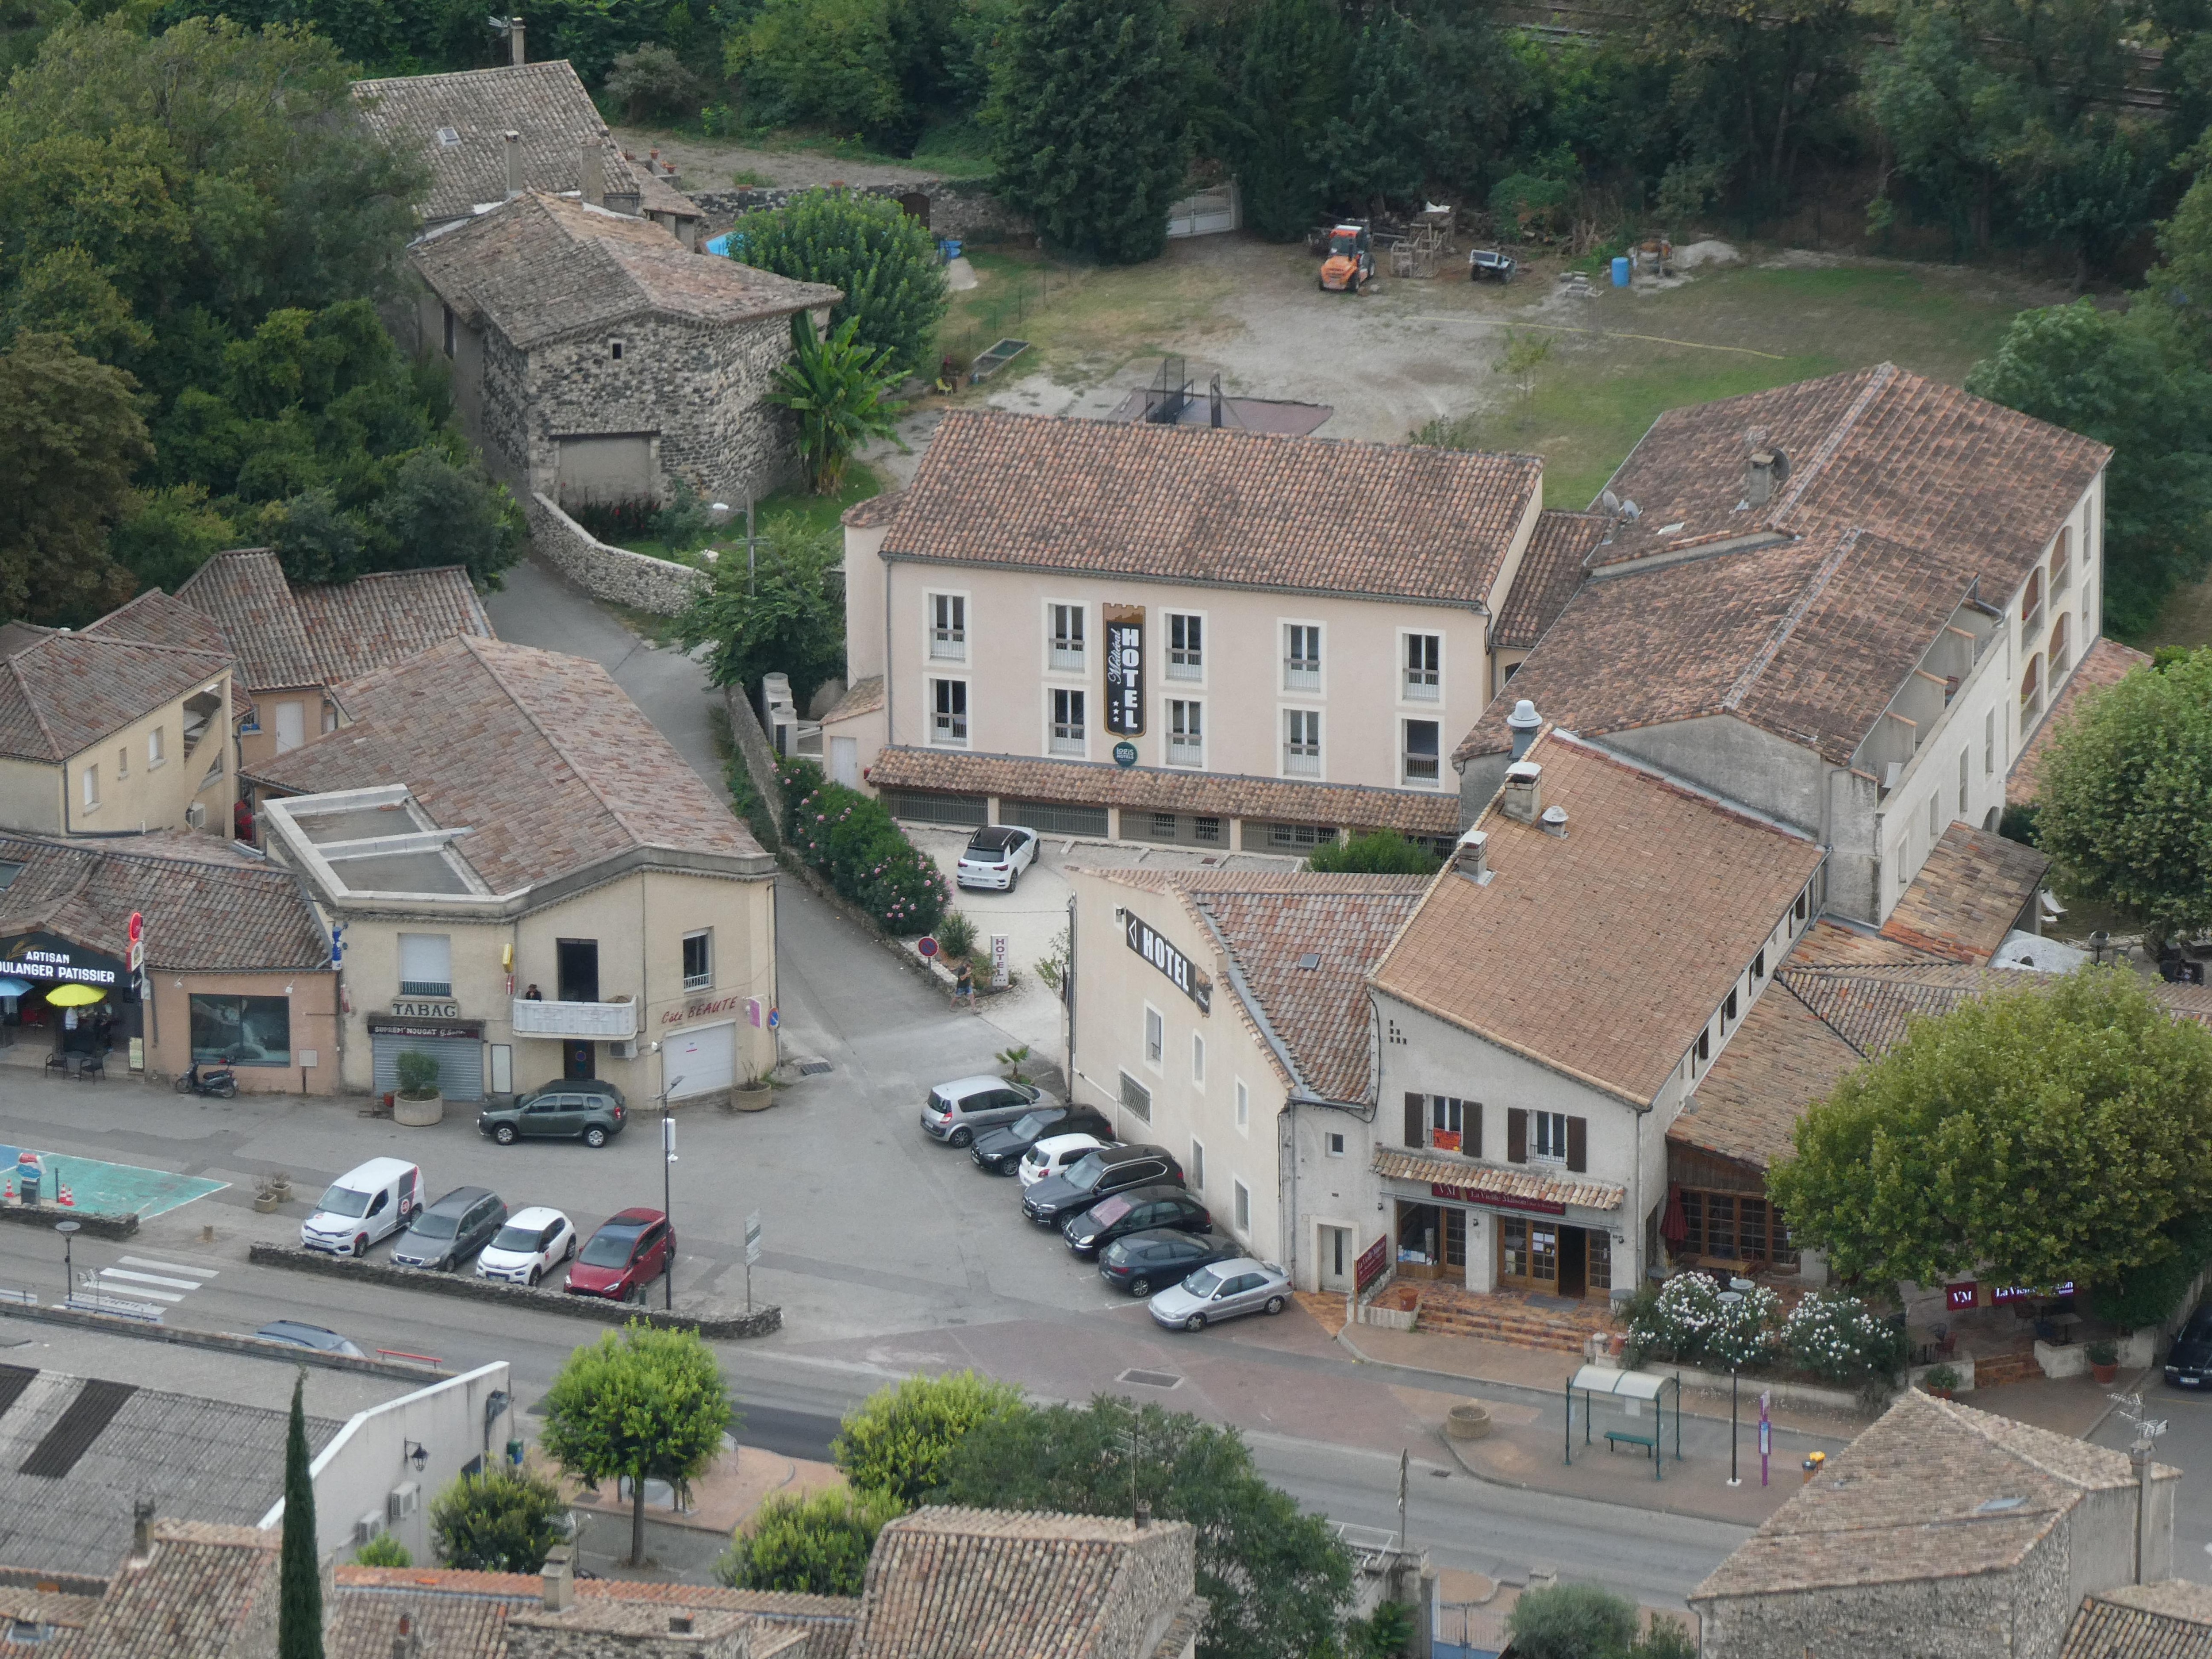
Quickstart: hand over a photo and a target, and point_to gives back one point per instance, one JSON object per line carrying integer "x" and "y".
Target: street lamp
{"x": 415, "y": 1453}
{"x": 68, "y": 1230}
{"x": 1730, "y": 1297}
{"x": 667, "y": 1187}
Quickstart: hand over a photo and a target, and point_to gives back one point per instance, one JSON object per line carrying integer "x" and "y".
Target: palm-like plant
{"x": 837, "y": 387}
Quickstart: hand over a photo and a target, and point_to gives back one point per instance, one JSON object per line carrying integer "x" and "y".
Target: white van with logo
{"x": 363, "y": 1206}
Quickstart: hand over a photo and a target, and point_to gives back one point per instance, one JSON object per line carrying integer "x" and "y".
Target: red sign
{"x": 1444, "y": 1140}
{"x": 1372, "y": 1260}
{"x": 1959, "y": 1296}
{"x": 1495, "y": 1201}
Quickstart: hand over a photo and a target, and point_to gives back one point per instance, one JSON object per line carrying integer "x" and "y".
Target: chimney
{"x": 1470, "y": 857}
{"x": 1524, "y": 792}
{"x": 513, "y": 164}
{"x": 1765, "y": 467}
{"x": 1554, "y": 822}
{"x": 1524, "y": 722}
{"x": 141, "y": 1529}
{"x": 1143, "y": 1516}
{"x": 591, "y": 180}
{"x": 516, "y": 54}
{"x": 560, "y": 1583}
{"x": 405, "y": 1644}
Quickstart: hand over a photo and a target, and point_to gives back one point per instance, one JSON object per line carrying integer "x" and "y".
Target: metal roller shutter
{"x": 702, "y": 1062}
{"x": 460, "y": 1064}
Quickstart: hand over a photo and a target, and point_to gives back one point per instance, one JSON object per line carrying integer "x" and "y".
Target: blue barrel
{"x": 1621, "y": 271}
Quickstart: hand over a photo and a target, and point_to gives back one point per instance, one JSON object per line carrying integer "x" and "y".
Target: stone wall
{"x": 961, "y": 208}
{"x": 613, "y": 574}
{"x": 752, "y": 743}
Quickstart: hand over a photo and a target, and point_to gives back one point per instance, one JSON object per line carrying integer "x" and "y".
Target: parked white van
{"x": 363, "y": 1206}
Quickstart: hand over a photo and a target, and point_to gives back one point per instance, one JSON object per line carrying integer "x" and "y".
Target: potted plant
{"x": 2104, "y": 1360}
{"x": 416, "y": 1103}
{"x": 755, "y": 1094}
{"x": 1013, "y": 1060}
{"x": 1939, "y": 1381}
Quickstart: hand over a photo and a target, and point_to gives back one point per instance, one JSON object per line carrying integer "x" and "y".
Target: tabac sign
{"x": 1169, "y": 961}
{"x": 1125, "y": 668}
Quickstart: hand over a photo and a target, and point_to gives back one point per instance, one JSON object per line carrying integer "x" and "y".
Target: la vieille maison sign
{"x": 1178, "y": 967}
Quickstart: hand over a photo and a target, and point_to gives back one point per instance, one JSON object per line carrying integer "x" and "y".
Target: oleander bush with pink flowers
{"x": 850, "y": 839}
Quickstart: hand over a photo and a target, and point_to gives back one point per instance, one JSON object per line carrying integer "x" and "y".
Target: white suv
{"x": 996, "y": 855}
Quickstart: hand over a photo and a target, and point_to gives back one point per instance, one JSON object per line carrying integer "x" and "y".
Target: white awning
{"x": 1624, "y": 1385}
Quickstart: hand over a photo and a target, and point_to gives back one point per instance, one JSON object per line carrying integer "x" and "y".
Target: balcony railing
{"x": 608, "y": 1021}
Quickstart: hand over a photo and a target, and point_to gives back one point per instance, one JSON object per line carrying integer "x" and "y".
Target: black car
{"x": 581, "y": 1109}
{"x": 1141, "y": 1263}
{"x": 450, "y": 1231}
{"x": 1001, "y": 1151}
{"x": 2189, "y": 1364}
{"x": 1108, "y": 1170}
{"x": 1137, "y": 1210}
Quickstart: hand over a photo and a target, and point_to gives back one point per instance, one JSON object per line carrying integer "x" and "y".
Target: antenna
{"x": 2130, "y": 1408}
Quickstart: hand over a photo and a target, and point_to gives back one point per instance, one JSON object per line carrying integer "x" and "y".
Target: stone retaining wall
{"x": 613, "y": 574}
{"x": 94, "y": 1223}
{"x": 714, "y": 1321}
{"x": 964, "y": 208}
{"x": 752, "y": 743}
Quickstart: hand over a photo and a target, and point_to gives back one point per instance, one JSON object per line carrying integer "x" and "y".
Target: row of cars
{"x": 382, "y": 1199}
{"x": 1125, "y": 1205}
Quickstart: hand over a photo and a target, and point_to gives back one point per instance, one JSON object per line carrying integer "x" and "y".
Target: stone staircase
{"x": 1452, "y": 1310}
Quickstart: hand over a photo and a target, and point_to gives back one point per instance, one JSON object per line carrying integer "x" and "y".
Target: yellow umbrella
{"x": 73, "y": 996}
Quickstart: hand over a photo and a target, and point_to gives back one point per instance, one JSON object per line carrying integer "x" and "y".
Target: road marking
{"x": 149, "y": 1279}
{"x": 158, "y": 1296}
{"x": 197, "y": 1272}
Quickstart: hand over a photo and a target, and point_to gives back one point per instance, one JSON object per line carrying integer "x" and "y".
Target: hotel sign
{"x": 1125, "y": 668}
{"x": 1169, "y": 961}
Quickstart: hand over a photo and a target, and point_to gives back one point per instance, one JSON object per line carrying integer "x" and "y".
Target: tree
{"x": 839, "y": 389}
{"x": 1276, "y": 1580}
{"x": 70, "y": 438}
{"x": 298, "y": 1563}
{"x": 869, "y": 249}
{"x": 1377, "y": 853}
{"x": 645, "y": 1404}
{"x": 384, "y": 1551}
{"x": 828, "y": 63}
{"x": 1572, "y": 1621}
{"x": 651, "y": 79}
{"x": 817, "y": 1545}
{"x": 2042, "y": 1134}
{"x": 782, "y": 611}
{"x": 899, "y": 1441}
{"x": 1375, "y": 147}
{"x": 501, "y": 1521}
{"x": 2125, "y": 798}
{"x": 170, "y": 533}
{"x": 1089, "y": 137}
{"x": 2124, "y": 381}
{"x": 1289, "y": 87}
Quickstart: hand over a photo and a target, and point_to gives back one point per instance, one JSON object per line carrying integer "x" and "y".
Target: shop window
{"x": 1155, "y": 1037}
{"x": 1528, "y": 1251}
{"x": 241, "y": 1030}
{"x": 1733, "y": 1227}
{"x": 699, "y": 960}
{"x": 426, "y": 966}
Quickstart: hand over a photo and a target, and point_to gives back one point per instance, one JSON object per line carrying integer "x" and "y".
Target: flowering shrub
{"x": 1689, "y": 1322}
{"x": 851, "y": 841}
{"x": 1839, "y": 1340}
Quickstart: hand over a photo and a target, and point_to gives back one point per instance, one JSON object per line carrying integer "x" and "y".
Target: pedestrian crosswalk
{"x": 141, "y": 1280}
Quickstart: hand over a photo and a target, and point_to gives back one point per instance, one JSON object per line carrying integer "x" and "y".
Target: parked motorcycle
{"x": 218, "y": 1080}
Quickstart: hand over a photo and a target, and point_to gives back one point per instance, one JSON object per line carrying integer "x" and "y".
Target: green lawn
{"x": 957, "y": 149}
{"x": 813, "y": 513}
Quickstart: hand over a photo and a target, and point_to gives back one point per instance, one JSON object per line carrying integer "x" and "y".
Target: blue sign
{"x": 774, "y": 1018}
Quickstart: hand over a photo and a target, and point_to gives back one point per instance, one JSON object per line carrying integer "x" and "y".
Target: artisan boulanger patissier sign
{"x": 48, "y": 959}
{"x": 1125, "y": 668}
{"x": 1169, "y": 961}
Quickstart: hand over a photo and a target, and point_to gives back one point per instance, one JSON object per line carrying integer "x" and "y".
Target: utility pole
{"x": 1405, "y": 1461}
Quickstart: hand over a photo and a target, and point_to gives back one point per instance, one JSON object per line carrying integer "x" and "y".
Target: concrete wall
{"x": 314, "y": 1026}
{"x": 136, "y": 791}
{"x": 957, "y": 208}
{"x": 614, "y": 574}
{"x": 318, "y": 715}
{"x": 31, "y": 797}
{"x": 867, "y": 627}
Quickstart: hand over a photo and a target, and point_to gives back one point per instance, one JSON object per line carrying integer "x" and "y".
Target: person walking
{"x": 964, "y": 987}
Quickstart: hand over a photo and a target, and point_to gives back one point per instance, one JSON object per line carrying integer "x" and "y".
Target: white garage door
{"x": 701, "y": 1062}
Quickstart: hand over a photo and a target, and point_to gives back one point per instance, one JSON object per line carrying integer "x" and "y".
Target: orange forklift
{"x": 1347, "y": 259}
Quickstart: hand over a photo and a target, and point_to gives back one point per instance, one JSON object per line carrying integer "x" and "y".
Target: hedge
{"x": 851, "y": 840}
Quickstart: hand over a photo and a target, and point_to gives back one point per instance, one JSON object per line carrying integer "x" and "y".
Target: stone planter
{"x": 1467, "y": 1422}
{"x": 751, "y": 1098}
{"x": 418, "y": 1112}
{"x": 264, "y": 1204}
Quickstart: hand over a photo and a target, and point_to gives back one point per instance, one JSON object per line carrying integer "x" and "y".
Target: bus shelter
{"x": 1628, "y": 1425}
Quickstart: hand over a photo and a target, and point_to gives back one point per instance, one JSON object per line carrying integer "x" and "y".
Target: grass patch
{"x": 956, "y": 150}
{"x": 813, "y": 512}
{"x": 1082, "y": 321}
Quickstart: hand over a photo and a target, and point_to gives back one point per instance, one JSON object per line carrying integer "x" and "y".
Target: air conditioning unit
{"x": 367, "y": 1526}
{"x": 627, "y": 1050}
{"x": 405, "y": 1499}
{"x": 196, "y": 815}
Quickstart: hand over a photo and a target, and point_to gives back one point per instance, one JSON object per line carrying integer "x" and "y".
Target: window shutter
{"x": 1517, "y": 1134}
{"x": 1578, "y": 1144}
{"x": 1473, "y": 1144}
{"x": 1417, "y": 1125}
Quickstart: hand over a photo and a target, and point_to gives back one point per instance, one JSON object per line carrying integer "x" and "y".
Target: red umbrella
{"x": 1673, "y": 1226}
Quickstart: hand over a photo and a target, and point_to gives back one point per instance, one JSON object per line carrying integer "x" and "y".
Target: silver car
{"x": 1241, "y": 1284}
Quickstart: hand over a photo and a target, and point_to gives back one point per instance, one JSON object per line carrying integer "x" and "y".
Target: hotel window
{"x": 1186, "y": 647}
{"x": 1067, "y": 722}
{"x": 1424, "y": 655}
{"x": 1302, "y": 657}
{"x": 1547, "y": 1137}
{"x": 1243, "y": 1207}
{"x": 1419, "y": 760}
{"x": 699, "y": 960}
{"x": 154, "y": 747}
{"x": 1302, "y": 741}
{"x": 948, "y": 626}
{"x": 1198, "y": 1058}
{"x": 1243, "y": 1105}
{"x": 1067, "y": 637}
{"x": 1185, "y": 732}
{"x": 949, "y": 724}
{"x": 426, "y": 966}
{"x": 1966, "y": 772}
{"x": 1155, "y": 1037}
{"x": 91, "y": 788}
{"x": 1197, "y": 1170}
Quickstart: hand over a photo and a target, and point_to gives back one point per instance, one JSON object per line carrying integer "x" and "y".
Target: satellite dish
{"x": 1609, "y": 501}
{"x": 1629, "y": 511}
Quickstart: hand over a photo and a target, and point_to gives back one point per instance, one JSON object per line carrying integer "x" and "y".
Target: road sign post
{"x": 753, "y": 1253}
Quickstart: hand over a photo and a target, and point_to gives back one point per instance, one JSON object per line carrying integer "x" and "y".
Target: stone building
{"x": 596, "y": 359}
{"x": 1941, "y": 1532}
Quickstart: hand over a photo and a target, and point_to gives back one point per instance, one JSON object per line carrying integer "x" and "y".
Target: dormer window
{"x": 449, "y": 137}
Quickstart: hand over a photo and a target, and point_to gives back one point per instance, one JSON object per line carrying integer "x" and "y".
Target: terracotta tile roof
{"x": 540, "y": 267}
{"x": 207, "y": 1590}
{"x": 1871, "y": 1007}
{"x": 246, "y": 592}
{"x": 1550, "y": 572}
{"x": 1968, "y": 895}
{"x": 656, "y": 194}
{"x": 155, "y": 618}
{"x": 1602, "y": 953}
{"x": 1217, "y": 506}
{"x": 861, "y": 697}
{"x": 954, "y": 1583}
{"x": 363, "y": 1621}
{"x": 1831, "y": 942}
{"x": 15, "y": 636}
{"x": 874, "y": 511}
{"x": 45, "y": 1607}
{"x": 2104, "y": 663}
{"x": 2169, "y": 1620}
{"x": 542, "y": 756}
{"x": 1808, "y": 640}
{"x": 210, "y": 913}
{"x": 543, "y": 103}
{"x": 1893, "y": 453}
{"x": 1778, "y": 1061}
{"x": 1904, "y": 1502}
{"x": 1166, "y": 789}
{"x": 356, "y": 627}
{"x": 1508, "y": 1180}
{"x": 67, "y": 691}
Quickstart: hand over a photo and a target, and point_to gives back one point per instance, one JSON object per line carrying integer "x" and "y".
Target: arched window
{"x": 2059, "y": 645}
{"x": 2031, "y": 689}
{"x": 2031, "y": 603}
{"x": 2062, "y": 563}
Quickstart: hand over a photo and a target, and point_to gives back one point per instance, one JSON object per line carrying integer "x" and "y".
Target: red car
{"x": 628, "y": 1253}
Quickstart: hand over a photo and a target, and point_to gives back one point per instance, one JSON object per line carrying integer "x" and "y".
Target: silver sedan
{"x": 1241, "y": 1285}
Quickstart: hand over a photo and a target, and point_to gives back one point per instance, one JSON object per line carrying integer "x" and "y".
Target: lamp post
{"x": 68, "y": 1230}
{"x": 1732, "y": 1297}
{"x": 667, "y": 1189}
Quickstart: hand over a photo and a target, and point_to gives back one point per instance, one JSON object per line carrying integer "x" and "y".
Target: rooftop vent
{"x": 1997, "y": 1505}
{"x": 1524, "y": 722}
{"x": 1524, "y": 792}
{"x": 448, "y": 137}
{"x": 1554, "y": 821}
{"x": 1469, "y": 856}
{"x": 1310, "y": 961}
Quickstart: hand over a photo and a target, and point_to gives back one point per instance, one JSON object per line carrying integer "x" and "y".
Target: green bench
{"x": 1649, "y": 1441}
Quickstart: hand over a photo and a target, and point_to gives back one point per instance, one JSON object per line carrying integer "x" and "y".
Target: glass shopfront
{"x": 1535, "y": 1253}
{"x": 241, "y": 1030}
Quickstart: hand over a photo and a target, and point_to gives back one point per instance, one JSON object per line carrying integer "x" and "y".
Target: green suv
{"x": 572, "y": 1108}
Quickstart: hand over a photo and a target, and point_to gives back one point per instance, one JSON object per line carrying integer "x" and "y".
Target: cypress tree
{"x": 1378, "y": 145}
{"x": 1092, "y": 139}
{"x": 299, "y": 1570}
{"x": 1292, "y": 83}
